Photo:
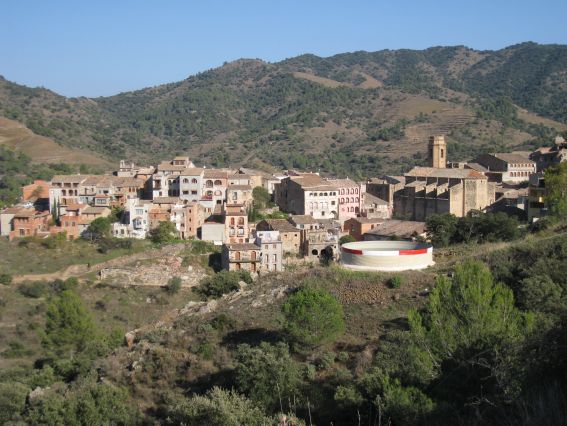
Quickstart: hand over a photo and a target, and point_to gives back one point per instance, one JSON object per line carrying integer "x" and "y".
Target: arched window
{"x": 253, "y": 255}
{"x": 185, "y": 180}
{"x": 241, "y": 221}
{"x": 209, "y": 184}
{"x": 356, "y": 210}
{"x": 237, "y": 255}
{"x": 342, "y": 200}
{"x": 218, "y": 182}
{"x": 356, "y": 199}
{"x": 193, "y": 180}
{"x": 342, "y": 191}
{"x": 231, "y": 221}
{"x": 356, "y": 190}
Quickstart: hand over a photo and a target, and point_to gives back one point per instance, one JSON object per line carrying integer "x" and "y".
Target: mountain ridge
{"x": 352, "y": 113}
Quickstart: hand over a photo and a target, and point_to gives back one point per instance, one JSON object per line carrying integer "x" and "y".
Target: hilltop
{"x": 360, "y": 113}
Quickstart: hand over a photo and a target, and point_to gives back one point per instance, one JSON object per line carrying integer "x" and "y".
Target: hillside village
{"x": 303, "y": 214}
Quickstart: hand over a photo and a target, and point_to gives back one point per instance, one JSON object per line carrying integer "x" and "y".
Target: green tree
{"x": 68, "y": 324}
{"x": 346, "y": 239}
{"x": 218, "y": 407}
{"x": 164, "y": 233}
{"x": 100, "y": 228}
{"x": 84, "y": 403}
{"x": 556, "y": 189}
{"x": 173, "y": 285}
{"x": 222, "y": 282}
{"x": 267, "y": 374}
{"x": 261, "y": 197}
{"x": 470, "y": 330}
{"x": 313, "y": 316}
{"x": 440, "y": 229}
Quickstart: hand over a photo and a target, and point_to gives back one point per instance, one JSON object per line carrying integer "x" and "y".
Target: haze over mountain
{"x": 360, "y": 113}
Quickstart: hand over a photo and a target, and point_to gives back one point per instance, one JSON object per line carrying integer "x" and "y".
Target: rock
{"x": 242, "y": 284}
{"x": 35, "y": 394}
{"x": 209, "y": 307}
{"x": 397, "y": 296}
{"x": 148, "y": 300}
{"x": 129, "y": 338}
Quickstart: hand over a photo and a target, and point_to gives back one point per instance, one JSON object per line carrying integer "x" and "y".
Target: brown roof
{"x": 303, "y": 219}
{"x": 11, "y": 210}
{"x": 366, "y": 220}
{"x": 445, "y": 173}
{"x": 193, "y": 171}
{"x": 281, "y": 225}
{"x": 477, "y": 167}
{"x": 343, "y": 183}
{"x": 216, "y": 174}
{"x": 512, "y": 158}
{"x": 399, "y": 228}
{"x": 94, "y": 210}
{"x": 166, "y": 200}
{"x": 243, "y": 246}
{"x": 372, "y": 199}
{"x": 69, "y": 178}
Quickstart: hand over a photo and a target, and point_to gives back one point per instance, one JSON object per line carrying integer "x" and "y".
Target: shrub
{"x": 34, "y": 289}
{"x": 173, "y": 285}
{"x": 5, "y": 278}
{"x": 346, "y": 239}
{"x": 313, "y": 316}
{"x": 266, "y": 373}
{"x": 164, "y": 233}
{"x": 396, "y": 281}
{"x": 222, "y": 282}
{"x": 222, "y": 322}
{"x": 218, "y": 407}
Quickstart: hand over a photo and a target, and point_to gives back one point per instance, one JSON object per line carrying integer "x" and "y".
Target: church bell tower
{"x": 437, "y": 152}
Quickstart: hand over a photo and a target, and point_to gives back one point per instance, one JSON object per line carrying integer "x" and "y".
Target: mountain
{"x": 360, "y": 113}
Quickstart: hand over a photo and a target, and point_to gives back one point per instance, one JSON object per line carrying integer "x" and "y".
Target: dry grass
{"x": 41, "y": 149}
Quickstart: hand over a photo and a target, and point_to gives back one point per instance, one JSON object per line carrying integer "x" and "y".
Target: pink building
{"x": 349, "y": 196}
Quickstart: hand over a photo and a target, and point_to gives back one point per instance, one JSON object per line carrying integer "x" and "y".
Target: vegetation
{"x": 223, "y": 282}
{"x": 446, "y": 229}
{"x": 346, "y": 239}
{"x": 556, "y": 190}
{"x": 313, "y": 316}
{"x": 100, "y": 228}
{"x": 173, "y": 285}
{"x": 164, "y": 233}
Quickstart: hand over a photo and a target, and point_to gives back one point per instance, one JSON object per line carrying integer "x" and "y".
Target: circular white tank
{"x": 386, "y": 255}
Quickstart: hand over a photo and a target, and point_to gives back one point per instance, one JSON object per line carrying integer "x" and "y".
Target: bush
{"x": 266, "y": 373}
{"x": 107, "y": 244}
{"x": 218, "y": 407}
{"x": 5, "y": 278}
{"x": 34, "y": 289}
{"x": 396, "y": 281}
{"x": 346, "y": 239}
{"x": 173, "y": 285}
{"x": 222, "y": 283}
{"x": 164, "y": 233}
{"x": 313, "y": 316}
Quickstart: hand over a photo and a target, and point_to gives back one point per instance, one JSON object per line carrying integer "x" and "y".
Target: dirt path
{"x": 82, "y": 269}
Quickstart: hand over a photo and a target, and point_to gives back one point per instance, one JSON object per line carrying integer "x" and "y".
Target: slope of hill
{"x": 360, "y": 113}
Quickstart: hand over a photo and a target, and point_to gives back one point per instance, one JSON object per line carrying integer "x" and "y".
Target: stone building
{"x": 374, "y": 207}
{"x": 396, "y": 230}
{"x": 508, "y": 168}
{"x": 537, "y": 207}
{"x": 270, "y": 244}
{"x": 349, "y": 197}
{"x": 431, "y": 190}
{"x": 289, "y": 234}
{"x": 385, "y": 187}
{"x": 236, "y": 223}
{"x": 358, "y": 226}
{"x": 308, "y": 194}
{"x": 545, "y": 157}
{"x": 241, "y": 256}
{"x": 29, "y": 223}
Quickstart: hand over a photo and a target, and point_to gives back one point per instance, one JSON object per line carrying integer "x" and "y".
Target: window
{"x": 185, "y": 180}
{"x": 218, "y": 182}
{"x": 275, "y": 257}
{"x": 332, "y": 203}
{"x": 193, "y": 180}
{"x": 209, "y": 184}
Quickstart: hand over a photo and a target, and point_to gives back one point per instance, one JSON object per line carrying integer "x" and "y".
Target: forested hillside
{"x": 360, "y": 113}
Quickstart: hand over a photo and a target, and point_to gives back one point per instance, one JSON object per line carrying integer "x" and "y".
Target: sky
{"x": 102, "y": 47}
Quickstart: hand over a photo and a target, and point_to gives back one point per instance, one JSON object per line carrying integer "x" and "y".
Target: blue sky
{"x": 99, "y": 47}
